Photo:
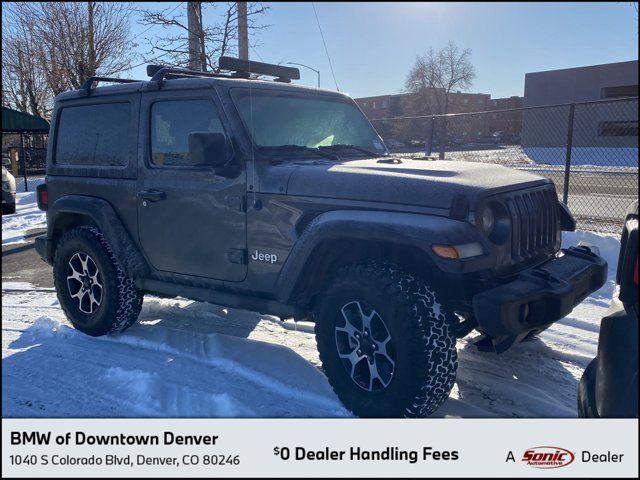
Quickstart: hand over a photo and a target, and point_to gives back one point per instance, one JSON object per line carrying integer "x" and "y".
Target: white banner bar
{"x": 319, "y": 448}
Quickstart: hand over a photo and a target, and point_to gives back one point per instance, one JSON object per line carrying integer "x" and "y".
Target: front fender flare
{"x": 108, "y": 222}
{"x": 408, "y": 229}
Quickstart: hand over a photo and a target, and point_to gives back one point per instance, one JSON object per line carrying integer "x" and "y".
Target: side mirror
{"x": 206, "y": 148}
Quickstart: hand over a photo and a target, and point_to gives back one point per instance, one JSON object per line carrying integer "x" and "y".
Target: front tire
{"x": 93, "y": 289}
{"x": 587, "y": 392}
{"x": 386, "y": 344}
{"x": 534, "y": 334}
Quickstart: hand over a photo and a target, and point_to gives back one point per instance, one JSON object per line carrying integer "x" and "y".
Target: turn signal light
{"x": 446, "y": 251}
{"x": 453, "y": 252}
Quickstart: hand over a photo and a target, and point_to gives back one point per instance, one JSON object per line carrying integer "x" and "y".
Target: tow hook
{"x": 588, "y": 249}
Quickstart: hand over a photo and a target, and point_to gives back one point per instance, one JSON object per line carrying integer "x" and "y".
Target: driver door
{"x": 190, "y": 219}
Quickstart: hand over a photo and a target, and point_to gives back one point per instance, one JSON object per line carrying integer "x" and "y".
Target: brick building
{"x": 380, "y": 106}
{"x": 461, "y": 129}
{"x": 507, "y": 122}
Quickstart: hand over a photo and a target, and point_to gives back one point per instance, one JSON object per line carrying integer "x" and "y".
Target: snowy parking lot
{"x": 186, "y": 358}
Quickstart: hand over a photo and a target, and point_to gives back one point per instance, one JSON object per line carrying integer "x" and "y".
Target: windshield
{"x": 275, "y": 119}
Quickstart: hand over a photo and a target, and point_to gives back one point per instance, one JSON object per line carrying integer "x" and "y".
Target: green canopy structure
{"x": 14, "y": 121}
{"x": 22, "y": 123}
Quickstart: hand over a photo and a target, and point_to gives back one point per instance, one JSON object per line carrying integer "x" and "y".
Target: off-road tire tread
{"x": 427, "y": 324}
{"x": 126, "y": 309}
{"x": 9, "y": 209}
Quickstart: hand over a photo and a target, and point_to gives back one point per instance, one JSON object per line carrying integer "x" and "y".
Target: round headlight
{"x": 488, "y": 220}
{"x": 495, "y": 222}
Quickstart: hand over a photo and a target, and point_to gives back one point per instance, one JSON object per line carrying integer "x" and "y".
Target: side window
{"x": 93, "y": 135}
{"x": 171, "y": 123}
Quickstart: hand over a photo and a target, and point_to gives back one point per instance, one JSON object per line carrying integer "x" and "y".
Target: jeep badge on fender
{"x": 264, "y": 257}
{"x": 158, "y": 187}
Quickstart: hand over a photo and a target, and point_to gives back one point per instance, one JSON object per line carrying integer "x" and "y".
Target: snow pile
{"x": 585, "y": 156}
{"x": 186, "y": 358}
{"x": 27, "y": 217}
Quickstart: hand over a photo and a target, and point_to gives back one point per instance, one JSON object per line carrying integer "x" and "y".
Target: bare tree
{"x": 24, "y": 85}
{"x": 216, "y": 40}
{"x": 82, "y": 39}
{"x": 433, "y": 78}
{"x": 438, "y": 73}
{"x": 50, "y": 47}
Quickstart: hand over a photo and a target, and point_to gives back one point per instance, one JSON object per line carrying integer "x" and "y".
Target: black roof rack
{"x": 240, "y": 69}
{"x": 166, "y": 72}
{"x": 88, "y": 84}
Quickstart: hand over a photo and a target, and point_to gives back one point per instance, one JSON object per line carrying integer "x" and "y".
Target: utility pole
{"x": 203, "y": 55}
{"x": 196, "y": 40}
{"x": 92, "y": 47}
{"x": 243, "y": 31}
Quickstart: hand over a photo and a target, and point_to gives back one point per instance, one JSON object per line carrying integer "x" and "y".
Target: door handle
{"x": 152, "y": 195}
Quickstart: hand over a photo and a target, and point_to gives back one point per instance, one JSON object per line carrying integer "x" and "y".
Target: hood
{"x": 413, "y": 182}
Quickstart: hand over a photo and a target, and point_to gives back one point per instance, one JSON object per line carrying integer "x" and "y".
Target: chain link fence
{"x": 26, "y": 162}
{"x": 588, "y": 149}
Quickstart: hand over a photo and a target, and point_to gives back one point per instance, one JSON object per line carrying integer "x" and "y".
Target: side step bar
{"x": 227, "y": 299}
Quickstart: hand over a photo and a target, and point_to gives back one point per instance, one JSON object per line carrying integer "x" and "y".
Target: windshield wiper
{"x": 300, "y": 148}
{"x": 339, "y": 146}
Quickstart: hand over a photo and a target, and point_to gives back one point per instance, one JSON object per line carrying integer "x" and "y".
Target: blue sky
{"x": 373, "y": 45}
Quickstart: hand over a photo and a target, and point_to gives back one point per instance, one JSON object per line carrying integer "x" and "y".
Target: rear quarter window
{"x": 93, "y": 135}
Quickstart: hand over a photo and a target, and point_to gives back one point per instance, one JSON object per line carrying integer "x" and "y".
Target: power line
{"x": 256, "y": 52}
{"x": 325, "y": 46}
{"x": 149, "y": 61}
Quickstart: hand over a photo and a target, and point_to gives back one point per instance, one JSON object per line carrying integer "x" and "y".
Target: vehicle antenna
{"x": 325, "y": 46}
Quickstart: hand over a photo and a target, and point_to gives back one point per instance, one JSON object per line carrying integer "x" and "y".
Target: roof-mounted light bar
{"x": 243, "y": 68}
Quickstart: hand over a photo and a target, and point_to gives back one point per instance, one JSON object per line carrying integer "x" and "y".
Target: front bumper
{"x": 538, "y": 296}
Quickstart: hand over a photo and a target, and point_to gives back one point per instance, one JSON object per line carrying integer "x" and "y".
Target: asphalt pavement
{"x": 21, "y": 263}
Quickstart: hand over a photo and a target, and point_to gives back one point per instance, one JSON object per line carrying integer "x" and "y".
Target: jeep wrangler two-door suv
{"x": 284, "y": 200}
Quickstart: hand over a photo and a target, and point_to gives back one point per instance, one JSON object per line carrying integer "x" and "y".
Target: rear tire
{"x": 411, "y": 373}
{"x": 93, "y": 289}
{"x": 8, "y": 208}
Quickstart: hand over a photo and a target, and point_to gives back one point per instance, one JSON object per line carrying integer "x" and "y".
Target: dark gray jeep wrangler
{"x": 284, "y": 200}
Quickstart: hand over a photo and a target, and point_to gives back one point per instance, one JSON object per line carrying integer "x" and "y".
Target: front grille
{"x": 535, "y": 223}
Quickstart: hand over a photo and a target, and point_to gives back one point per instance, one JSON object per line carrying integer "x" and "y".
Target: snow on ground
{"x": 173, "y": 362}
{"x": 186, "y": 358}
{"x": 588, "y": 156}
{"x": 27, "y": 217}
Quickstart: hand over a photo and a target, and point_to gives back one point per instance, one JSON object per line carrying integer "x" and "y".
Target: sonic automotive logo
{"x": 548, "y": 457}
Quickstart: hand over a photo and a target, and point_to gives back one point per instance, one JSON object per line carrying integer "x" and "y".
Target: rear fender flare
{"x": 105, "y": 218}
